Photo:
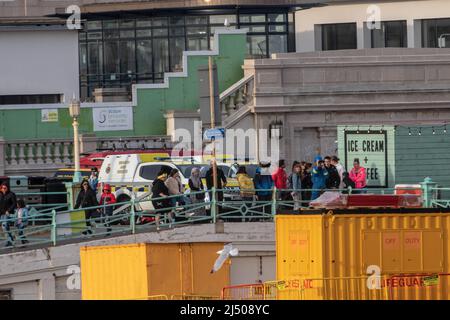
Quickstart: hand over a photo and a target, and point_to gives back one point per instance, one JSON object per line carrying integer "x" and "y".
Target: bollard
{"x": 428, "y": 189}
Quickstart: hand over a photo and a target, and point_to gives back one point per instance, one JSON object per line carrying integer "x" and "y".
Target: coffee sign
{"x": 371, "y": 150}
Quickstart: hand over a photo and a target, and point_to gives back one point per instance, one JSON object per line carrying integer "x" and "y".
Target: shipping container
{"x": 137, "y": 271}
{"x": 332, "y": 254}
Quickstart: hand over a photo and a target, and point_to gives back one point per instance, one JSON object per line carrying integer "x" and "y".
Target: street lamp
{"x": 74, "y": 111}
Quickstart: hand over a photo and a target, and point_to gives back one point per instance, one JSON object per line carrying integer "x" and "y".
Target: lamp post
{"x": 74, "y": 111}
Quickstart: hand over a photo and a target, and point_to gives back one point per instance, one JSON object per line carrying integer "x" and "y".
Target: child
{"x": 22, "y": 219}
{"x": 107, "y": 198}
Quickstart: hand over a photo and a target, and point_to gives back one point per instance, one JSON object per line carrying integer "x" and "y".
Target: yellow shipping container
{"x": 137, "y": 271}
{"x": 333, "y": 256}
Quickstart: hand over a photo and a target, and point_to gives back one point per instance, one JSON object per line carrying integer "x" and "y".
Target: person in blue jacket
{"x": 319, "y": 177}
{"x": 263, "y": 184}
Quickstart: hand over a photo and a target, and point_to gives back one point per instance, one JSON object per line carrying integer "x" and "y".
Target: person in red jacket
{"x": 107, "y": 198}
{"x": 280, "y": 180}
{"x": 358, "y": 176}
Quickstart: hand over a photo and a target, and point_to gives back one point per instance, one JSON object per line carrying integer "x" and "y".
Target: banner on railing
{"x": 70, "y": 222}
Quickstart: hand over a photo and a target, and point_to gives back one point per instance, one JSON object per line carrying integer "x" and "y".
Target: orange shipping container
{"x": 137, "y": 271}
{"x": 331, "y": 256}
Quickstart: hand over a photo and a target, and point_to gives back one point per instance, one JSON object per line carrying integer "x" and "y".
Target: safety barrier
{"x": 243, "y": 292}
{"x": 193, "y": 297}
{"x": 427, "y": 286}
{"x": 51, "y": 225}
{"x": 338, "y": 288}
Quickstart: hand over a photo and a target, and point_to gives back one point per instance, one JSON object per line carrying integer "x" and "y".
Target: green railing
{"x": 51, "y": 225}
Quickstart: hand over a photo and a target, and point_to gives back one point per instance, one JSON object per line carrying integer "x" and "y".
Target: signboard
{"x": 371, "y": 150}
{"x": 49, "y": 115}
{"x": 214, "y": 134}
{"x": 113, "y": 119}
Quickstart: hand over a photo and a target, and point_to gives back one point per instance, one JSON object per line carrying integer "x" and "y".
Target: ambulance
{"x": 131, "y": 175}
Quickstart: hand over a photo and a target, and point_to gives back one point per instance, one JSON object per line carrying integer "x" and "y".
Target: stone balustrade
{"x": 237, "y": 96}
{"x": 44, "y": 157}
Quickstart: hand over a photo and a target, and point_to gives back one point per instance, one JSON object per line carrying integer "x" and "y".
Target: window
{"x": 116, "y": 52}
{"x": 432, "y": 30}
{"x": 30, "y": 99}
{"x": 391, "y": 34}
{"x": 339, "y": 36}
{"x": 150, "y": 172}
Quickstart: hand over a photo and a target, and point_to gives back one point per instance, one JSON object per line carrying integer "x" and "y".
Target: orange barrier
{"x": 243, "y": 292}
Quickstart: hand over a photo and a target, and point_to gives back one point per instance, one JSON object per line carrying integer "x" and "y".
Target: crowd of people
{"x": 308, "y": 181}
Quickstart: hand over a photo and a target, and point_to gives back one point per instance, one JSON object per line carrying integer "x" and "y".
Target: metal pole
{"x": 76, "y": 151}
{"x": 213, "y": 119}
{"x": 53, "y": 232}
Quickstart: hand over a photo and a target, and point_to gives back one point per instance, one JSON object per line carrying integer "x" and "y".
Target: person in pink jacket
{"x": 358, "y": 176}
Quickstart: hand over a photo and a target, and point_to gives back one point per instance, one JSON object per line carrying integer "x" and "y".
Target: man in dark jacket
{"x": 334, "y": 180}
{"x": 86, "y": 199}
{"x": 8, "y": 203}
{"x": 221, "y": 182}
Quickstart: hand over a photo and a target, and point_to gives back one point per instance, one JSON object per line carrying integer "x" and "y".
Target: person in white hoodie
{"x": 340, "y": 169}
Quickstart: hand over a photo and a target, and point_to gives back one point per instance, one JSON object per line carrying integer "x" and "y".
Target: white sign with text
{"x": 113, "y": 119}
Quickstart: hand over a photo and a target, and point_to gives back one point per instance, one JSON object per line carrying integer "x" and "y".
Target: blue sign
{"x": 214, "y": 134}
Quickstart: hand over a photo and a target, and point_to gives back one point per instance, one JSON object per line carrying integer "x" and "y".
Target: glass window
{"x": 111, "y": 34}
{"x": 161, "y": 55}
{"x": 83, "y": 58}
{"x": 277, "y": 43}
{"x": 143, "y": 23}
{"x": 126, "y": 24}
{"x": 150, "y": 172}
{"x": 432, "y": 30}
{"x": 177, "y": 31}
{"x": 144, "y": 56}
{"x": 391, "y": 34}
{"x": 143, "y": 33}
{"x": 277, "y": 28}
{"x": 160, "y": 32}
{"x": 160, "y": 22}
{"x": 339, "y": 36}
{"x": 177, "y": 21}
{"x": 255, "y": 28}
{"x": 201, "y": 31}
{"x": 94, "y": 35}
{"x": 177, "y": 46}
{"x": 94, "y": 25}
{"x": 252, "y": 18}
{"x": 197, "y": 44}
{"x": 257, "y": 46}
{"x": 110, "y": 24}
{"x": 95, "y": 55}
{"x": 220, "y": 19}
{"x": 127, "y": 58}
{"x": 127, "y": 33}
{"x": 276, "y": 17}
{"x": 111, "y": 58}
{"x": 82, "y": 36}
{"x": 196, "y": 20}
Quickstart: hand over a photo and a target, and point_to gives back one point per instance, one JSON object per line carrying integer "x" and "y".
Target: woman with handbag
{"x": 195, "y": 186}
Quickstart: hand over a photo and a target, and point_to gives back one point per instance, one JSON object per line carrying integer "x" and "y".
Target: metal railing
{"x": 52, "y": 224}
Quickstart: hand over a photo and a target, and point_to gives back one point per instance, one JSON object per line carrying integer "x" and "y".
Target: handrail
{"x": 236, "y": 86}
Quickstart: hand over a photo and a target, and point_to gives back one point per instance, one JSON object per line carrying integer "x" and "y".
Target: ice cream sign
{"x": 371, "y": 150}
